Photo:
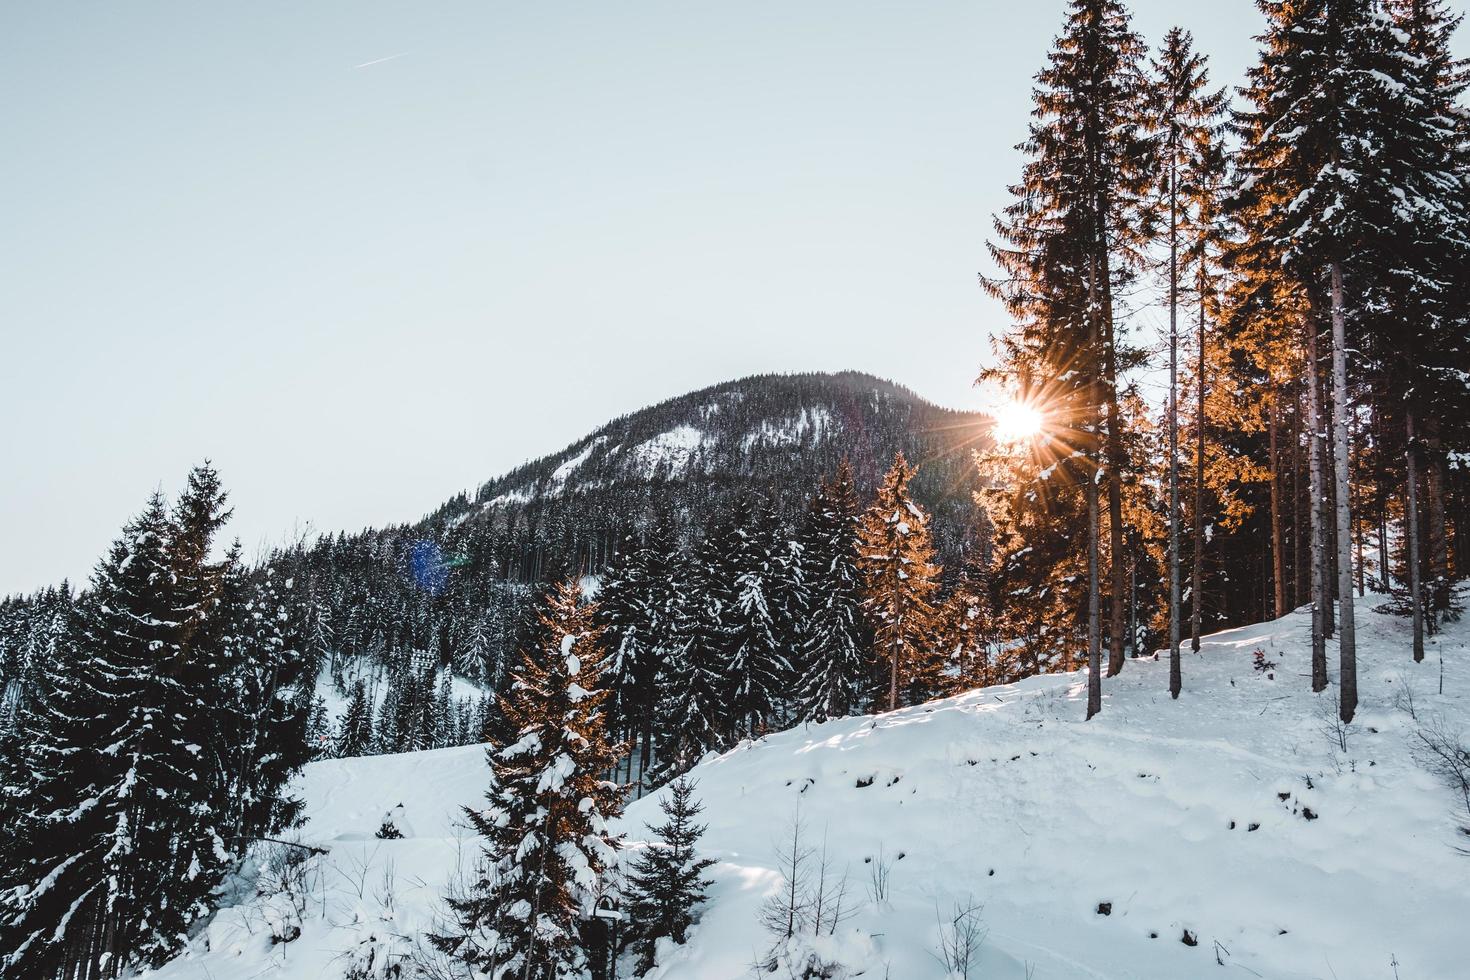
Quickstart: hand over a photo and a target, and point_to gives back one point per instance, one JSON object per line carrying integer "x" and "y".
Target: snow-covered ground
{"x": 671, "y": 451}
{"x": 1232, "y": 813}
{"x": 337, "y": 701}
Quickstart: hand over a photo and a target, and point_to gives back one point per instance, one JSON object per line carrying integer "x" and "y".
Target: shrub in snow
{"x": 961, "y": 934}
{"x": 666, "y": 885}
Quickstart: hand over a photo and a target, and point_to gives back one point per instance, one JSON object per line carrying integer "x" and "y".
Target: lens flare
{"x": 1016, "y": 422}
{"x": 427, "y": 567}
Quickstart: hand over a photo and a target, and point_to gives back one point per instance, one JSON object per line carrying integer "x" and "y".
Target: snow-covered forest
{"x": 1155, "y": 670}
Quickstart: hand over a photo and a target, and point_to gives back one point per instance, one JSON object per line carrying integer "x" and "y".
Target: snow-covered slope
{"x": 1232, "y": 813}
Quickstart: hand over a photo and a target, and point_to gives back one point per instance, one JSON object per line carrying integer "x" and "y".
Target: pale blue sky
{"x": 360, "y": 287}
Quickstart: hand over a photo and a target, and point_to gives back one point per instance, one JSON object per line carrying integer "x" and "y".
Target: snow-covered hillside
{"x": 1233, "y": 815}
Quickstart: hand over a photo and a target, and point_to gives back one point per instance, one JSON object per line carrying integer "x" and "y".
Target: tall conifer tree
{"x": 900, "y": 578}
{"x": 1186, "y": 116}
{"x": 833, "y": 643}
{"x": 1072, "y": 237}
{"x": 548, "y": 845}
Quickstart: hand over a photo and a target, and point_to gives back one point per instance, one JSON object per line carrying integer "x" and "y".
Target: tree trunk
{"x": 1278, "y": 550}
{"x": 1116, "y": 552}
{"x": 893, "y": 679}
{"x": 1347, "y": 638}
{"x": 1329, "y": 498}
{"x": 1383, "y": 546}
{"x": 1175, "y": 682}
{"x": 1197, "y": 579}
{"x": 1411, "y": 532}
{"x": 1094, "y": 640}
{"x": 1439, "y": 562}
{"x": 1299, "y": 521}
{"x": 1319, "y": 529}
{"x": 1358, "y": 545}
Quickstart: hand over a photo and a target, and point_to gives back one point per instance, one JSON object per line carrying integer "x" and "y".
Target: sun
{"x": 1016, "y": 422}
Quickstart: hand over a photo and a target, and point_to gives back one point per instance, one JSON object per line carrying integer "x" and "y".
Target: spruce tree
{"x": 444, "y": 715}
{"x": 271, "y": 726}
{"x": 637, "y": 608}
{"x": 692, "y": 715}
{"x": 621, "y": 616}
{"x": 547, "y": 841}
{"x": 1187, "y": 116}
{"x": 52, "y": 887}
{"x": 123, "y": 855}
{"x": 1423, "y": 285}
{"x": 832, "y": 642}
{"x": 962, "y": 632}
{"x": 356, "y": 736}
{"x": 1072, "y": 240}
{"x": 666, "y": 883}
{"x": 900, "y": 579}
{"x": 757, "y": 670}
{"x": 386, "y": 736}
{"x": 1351, "y": 179}
{"x": 319, "y": 741}
{"x": 137, "y": 800}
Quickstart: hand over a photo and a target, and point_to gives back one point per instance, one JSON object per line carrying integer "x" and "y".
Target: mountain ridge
{"x": 690, "y": 435}
{"x": 772, "y": 435}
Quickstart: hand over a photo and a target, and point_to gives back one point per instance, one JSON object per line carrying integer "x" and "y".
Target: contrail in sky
{"x": 379, "y": 61}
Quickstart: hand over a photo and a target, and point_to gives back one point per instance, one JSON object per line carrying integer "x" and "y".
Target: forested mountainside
{"x": 773, "y": 436}
{"x": 456, "y": 585}
{"x": 455, "y": 588}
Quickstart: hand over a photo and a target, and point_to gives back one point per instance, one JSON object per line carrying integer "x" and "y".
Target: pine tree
{"x": 116, "y": 872}
{"x": 356, "y": 736}
{"x": 637, "y": 609}
{"x": 322, "y": 646}
{"x": 1352, "y": 182}
{"x": 407, "y": 692}
{"x": 963, "y": 634}
{"x": 547, "y": 842}
{"x": 386, "y": 735}
{"x": 620, "y": 614}
{"x": 666, "y": 884}
{"x": 271, "y": 725}
{"x": 1424, "y": 283}
{"x": 832, "y": 640}
{"x": 52, "y": 889}
{"x": 757, "y": 671}
{"x": 899, "y": 584}
{"x": 479, "y": 658}
{"x": 493, "y": 725}
{"x": 136, "y": 797}
{"x": 427, "y": 736}
{"x": 318, "y": 735}
{"x": 444, "y": 717}
{"x": 1073, "y": 236}
{"x": 1187, "y": 117}
{"x": 692, "y": 716}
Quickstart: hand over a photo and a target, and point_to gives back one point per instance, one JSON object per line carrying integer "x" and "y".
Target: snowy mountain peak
{"x": 771, "y": 436}
{"x": 749, "y": 426}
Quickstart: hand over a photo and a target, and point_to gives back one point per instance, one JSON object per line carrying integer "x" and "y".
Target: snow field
{"x": 1232, "y": 814}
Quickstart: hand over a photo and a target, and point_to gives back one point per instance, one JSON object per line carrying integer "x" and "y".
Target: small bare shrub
{"x": 1446, "y": 753}
{"x": 880, "y": 873}
{"x": 788, "y": 911}
{"x": 961, "y": 934}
